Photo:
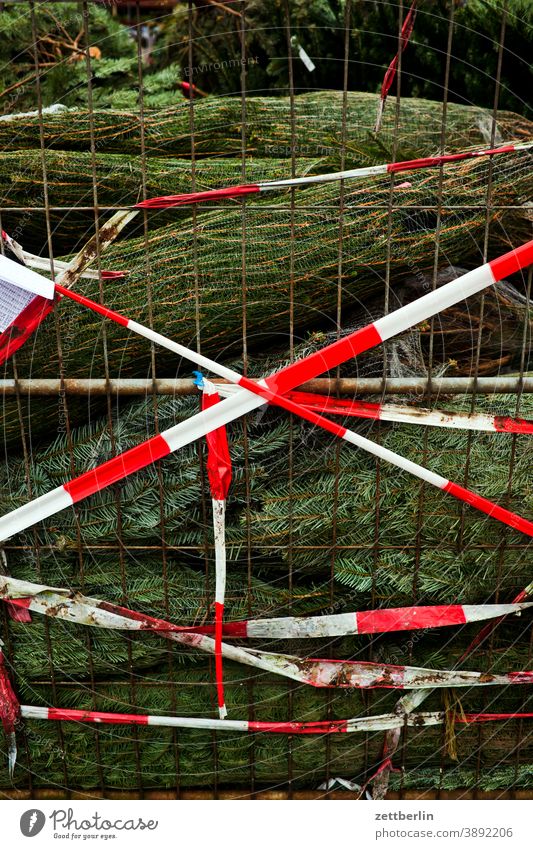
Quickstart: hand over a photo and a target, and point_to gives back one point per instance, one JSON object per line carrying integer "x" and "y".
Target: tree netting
{"x": 318, "y": 128}
{"x": 195, "y": 268}
{"x": 119, "y": 180}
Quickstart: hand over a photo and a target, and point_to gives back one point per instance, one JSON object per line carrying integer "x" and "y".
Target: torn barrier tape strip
{"x": 400, "y": 413}
{"x": 487, "y": 629}
{"x": 30, "y": 314}
{"x": 43, "y": 263}
{"x": 340, "y": 726}
{"x": 219, "y": 474}
{"x": 9, "y": 706}
{"x": 25, "y": 298}
{"x": 317, "y": 672}
{"x": 284, "y": 381}
{"x": 365, "y": 622}
{"x": 9, "y": 711}
{"x": 408, "y": 703}
{"x": 63, "y": 602}
{"x": 167, "y": 201}
{"x": 15, "y": 613}
{"x": 390, "y": 74}
{"x": 272, "y": 389}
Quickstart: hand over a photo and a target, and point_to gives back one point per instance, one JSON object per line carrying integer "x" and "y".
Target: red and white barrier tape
{"x": 219, "y": 474}
{"x": 44, "y": 263}
{"x": 365, "y": 622}
{"x": 273, "y": 389}
{"x": 390, "y": 74}
{"x": 408, "y": 703}
{"x": 521, "y": 598}
{"x": 336, "y": 726}
{"x": 9, "y": 711}
{"x": 17, "y": 614}
{"x": 400, "y": 413}
{"x": 26, "y": 298}
{"x": 74, "y": 607}
{"x": 167, "y": 201}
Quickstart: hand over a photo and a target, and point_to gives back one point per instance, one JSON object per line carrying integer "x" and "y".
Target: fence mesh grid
{"x": 207, "y": 762}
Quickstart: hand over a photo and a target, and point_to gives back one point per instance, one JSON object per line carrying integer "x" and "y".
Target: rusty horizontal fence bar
{"x": 135, "y": 387}
{"x": 80, "y": 794}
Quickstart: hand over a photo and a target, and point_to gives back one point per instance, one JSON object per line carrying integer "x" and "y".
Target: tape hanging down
{"x": 9, "y": 711}
{"x": 273, "y": 389}
{"x": 167, "y": 201}
{"x": 390, "y": 74}
{"x": 316, "y": 672}
{"x": 303, "y": 55}
{"x": 219, "y": 474}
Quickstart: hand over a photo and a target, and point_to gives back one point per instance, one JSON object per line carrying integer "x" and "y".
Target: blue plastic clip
{"x": 198, "y": 379}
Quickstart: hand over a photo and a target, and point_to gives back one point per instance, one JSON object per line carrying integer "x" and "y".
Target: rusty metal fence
{"x": 17, "y": 389}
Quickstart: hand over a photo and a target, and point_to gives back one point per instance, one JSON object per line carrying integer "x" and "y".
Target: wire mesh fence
{"x": 312, "y": 526}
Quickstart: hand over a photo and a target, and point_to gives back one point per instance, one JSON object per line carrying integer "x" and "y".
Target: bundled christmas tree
{"x": 119, "y": 180}
{"x": 310, "y": 527}
{"x": 499, "y": 318}
{"x": 318, "y": 128}
{"x": 196, "y": 271}
{"x": 67, "y": 665}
